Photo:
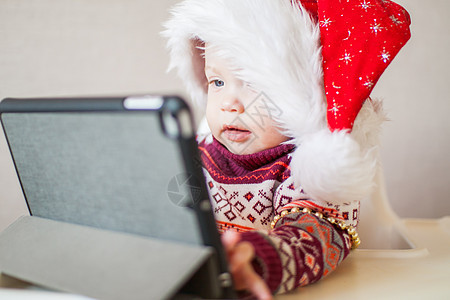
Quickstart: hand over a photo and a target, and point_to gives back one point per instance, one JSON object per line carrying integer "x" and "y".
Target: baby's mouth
{"x": 235, "y": 133}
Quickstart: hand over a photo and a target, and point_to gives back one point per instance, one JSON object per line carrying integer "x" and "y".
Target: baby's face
{"x": 237, "y": 115}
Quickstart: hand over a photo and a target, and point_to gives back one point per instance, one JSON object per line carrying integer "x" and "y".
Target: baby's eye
{"x": 218, "y": 83}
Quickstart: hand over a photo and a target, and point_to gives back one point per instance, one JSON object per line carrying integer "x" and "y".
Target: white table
{"x": 419, "y": 273}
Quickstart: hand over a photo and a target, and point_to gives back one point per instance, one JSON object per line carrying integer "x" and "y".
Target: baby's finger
{"x": 256, "y": 285}
{"x": 242, "y": 255}
{"x": 230, "y": 239}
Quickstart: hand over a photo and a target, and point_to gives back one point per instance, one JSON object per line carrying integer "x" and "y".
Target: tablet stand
{"x": 105, "y": 264}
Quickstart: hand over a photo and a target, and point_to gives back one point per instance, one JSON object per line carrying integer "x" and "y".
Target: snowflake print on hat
{"x": 359, "y": 40}
{"x": 378, "y": 31}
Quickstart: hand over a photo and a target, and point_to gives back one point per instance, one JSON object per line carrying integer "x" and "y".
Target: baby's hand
{"x": 240, "y": 256}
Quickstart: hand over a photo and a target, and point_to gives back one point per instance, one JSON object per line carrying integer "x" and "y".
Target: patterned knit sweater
{"x": 247, "y": 191}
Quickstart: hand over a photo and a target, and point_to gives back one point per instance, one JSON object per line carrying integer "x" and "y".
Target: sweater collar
{"x": 255, "y": 160}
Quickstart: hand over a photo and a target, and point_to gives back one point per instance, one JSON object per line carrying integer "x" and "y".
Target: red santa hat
{"x": 316, "y": 60}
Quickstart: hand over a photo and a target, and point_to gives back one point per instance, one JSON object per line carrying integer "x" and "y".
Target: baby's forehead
{"x": 212, "y": 51}
{"x": 216, "y": 58}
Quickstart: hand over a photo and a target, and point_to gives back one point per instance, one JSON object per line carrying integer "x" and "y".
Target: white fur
{"x": 368, "y": 123}
{"x": 330, "y": 167}
{"x": 276, "y": 46}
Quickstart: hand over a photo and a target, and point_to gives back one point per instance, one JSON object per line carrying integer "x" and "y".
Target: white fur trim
{"x": 367, "y": 128}
{"x": 339, "y": 167}
{"x": 273, "y": 44}
{"x": 276, "y": 46}
{"x": 331, "y": 167}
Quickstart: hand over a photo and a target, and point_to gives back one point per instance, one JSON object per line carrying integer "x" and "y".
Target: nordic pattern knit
{"x": 247, "y": 191}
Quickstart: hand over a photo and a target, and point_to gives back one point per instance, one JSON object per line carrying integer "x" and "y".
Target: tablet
{"x": 127, "y": 164}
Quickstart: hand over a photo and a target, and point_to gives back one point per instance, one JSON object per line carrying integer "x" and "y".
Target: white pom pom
{"x": 331, "y": 167}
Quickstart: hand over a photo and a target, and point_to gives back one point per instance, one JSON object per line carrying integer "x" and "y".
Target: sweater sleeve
{"x": 300, "y": 250}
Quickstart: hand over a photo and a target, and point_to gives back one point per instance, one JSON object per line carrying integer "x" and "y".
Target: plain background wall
{"x": 112, "y": 47}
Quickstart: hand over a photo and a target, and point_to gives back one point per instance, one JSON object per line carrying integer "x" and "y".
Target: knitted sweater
{"x": 247, "y": 191}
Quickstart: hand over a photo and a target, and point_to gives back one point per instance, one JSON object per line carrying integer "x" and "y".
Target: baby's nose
{"x": 233, "y": 104}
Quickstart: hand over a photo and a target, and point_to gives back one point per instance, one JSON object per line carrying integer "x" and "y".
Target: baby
{"x": 229, "y": 98}
{"x": 283, "y": 82}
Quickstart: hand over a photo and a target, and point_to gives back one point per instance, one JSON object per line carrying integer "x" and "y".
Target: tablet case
{"x": 120, "y": 173}
{"x": 105, "y": 264}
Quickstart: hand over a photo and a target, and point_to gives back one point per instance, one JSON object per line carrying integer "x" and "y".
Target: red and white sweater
{"x": 247, "y": 191}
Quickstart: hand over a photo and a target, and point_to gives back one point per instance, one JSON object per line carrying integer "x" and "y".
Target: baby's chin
{"x": 244, "y": 148}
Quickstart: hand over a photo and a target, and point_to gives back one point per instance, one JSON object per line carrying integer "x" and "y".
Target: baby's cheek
{"x": 211, "y": 117}
{"x": 273, "y": 137}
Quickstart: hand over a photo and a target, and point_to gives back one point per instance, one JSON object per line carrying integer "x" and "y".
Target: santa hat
{"x": 316, "y": 60}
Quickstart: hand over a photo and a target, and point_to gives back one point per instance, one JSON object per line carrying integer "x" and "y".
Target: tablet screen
{"x": 111, "y": 170}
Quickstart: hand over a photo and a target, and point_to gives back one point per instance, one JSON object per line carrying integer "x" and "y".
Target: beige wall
{"x": 104, "y": 47}
{"x": 416, "y": 90}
